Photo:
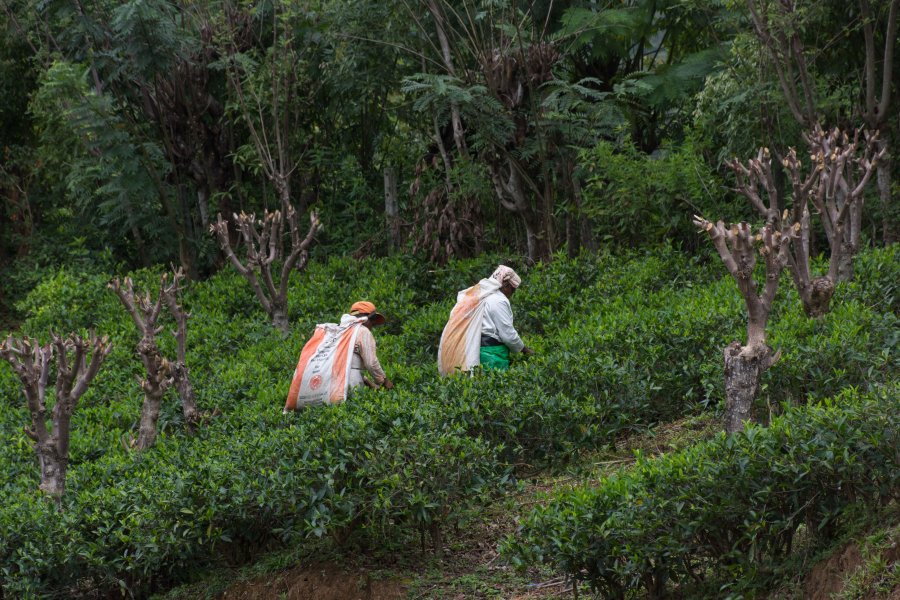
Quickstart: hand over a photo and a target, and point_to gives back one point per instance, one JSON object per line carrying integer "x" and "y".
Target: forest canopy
{"x": 447, "y": 127}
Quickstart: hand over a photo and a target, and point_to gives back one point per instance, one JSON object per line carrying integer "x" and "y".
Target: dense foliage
{"x": 623, "y": 341}
{"x": 125, "y": 127}
{"x": 723, "y": 509}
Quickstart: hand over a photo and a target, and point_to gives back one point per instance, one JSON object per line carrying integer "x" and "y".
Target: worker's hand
{"x": 387, "y": 384}
{"x": 527, "y": 351}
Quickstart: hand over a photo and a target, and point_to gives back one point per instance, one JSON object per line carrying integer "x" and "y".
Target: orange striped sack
{"x": 461, "y": 338}
{"x": 322, "y": 375}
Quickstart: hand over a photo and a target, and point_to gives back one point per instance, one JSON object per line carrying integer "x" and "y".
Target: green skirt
{"x": 494, "y": 357}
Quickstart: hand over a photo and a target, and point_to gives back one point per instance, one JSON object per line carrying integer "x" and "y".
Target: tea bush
{"x": 877, "y": 280}
{"x": 232, "y": 488}
{"x": 631, "y": 197}
{"x": 623, "y": 341}
{"x": 726, "y": 507}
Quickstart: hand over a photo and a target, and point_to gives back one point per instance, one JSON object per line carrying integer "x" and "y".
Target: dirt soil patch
{"x": 320, "y": 582}
{"x": 828, "y": 577}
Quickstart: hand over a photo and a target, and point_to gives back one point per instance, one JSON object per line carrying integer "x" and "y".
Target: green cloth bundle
{"x": 494, "y": 357}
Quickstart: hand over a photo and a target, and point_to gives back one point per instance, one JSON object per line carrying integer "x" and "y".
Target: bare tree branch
{"x": 261, "y": 239}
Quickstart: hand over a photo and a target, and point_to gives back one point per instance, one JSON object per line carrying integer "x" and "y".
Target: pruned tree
{"x": 266, "y": 97}
{"x": 158, "y": 377}
{"x": 264, "y": 242}
{"x": 161, "y": 372}
{"x": 839, "y": 170}
{"x": 178, "y": 367}
{"x": 779, "y": 27}
{"x": 32, "y": 362}
{"x": 845, "y": 167}
{"x": 738, "y": 246}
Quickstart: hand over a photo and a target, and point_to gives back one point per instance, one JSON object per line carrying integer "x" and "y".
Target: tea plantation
{"x": 622, "y": 342}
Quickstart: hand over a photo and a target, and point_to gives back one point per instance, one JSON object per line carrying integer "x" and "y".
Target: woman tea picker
{"x": 480, "y": 329}
{"x": 337, "y": 358}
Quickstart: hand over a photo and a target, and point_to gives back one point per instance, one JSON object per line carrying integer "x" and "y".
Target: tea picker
{"x": 480, "y": 329}
{"x": 337, "y": 358}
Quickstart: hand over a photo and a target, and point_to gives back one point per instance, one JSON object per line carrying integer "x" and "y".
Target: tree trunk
{"x": 588, "y": 241}
{"x": 149, "y": 417}
{"x": 178, "y": 369}
{"x": 53, "y": 469}
{"x": 478, "y": 226}
{"x": 187, "y": 243}
{"x": 587, "y": 235}
{"x": 513, "y": 196}
{"x": 655, "y": 581}
{"x": 536, "y": 237}
{"x": 459, "y": 136}
{"x": 573, "y": 236}
{"x": 883, "y": 182}
{"x": 546, "y": 202}
{"x": 203, "y": 207}
{"x": 567, "y": 178}
{"x": 845, "y": 261}
{"x": 279, "y": 315}
{"x": 140, "y": 247}
{"x": 186, "y": 258}
{"x": 848, "y": 235}
{"x": 392, "y": 207}
{"x": 154, "y": 385}
{"x": 744, "y": 366}
{"x": 186, "y": 393}
{"x": 816, "y": 296}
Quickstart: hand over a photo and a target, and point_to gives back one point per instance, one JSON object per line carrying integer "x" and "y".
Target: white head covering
{"x": 504, "y": 274}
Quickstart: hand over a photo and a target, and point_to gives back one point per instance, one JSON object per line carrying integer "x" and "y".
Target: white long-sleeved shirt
{"x": 498, "y": 322}
{"x": 365, "y": 357}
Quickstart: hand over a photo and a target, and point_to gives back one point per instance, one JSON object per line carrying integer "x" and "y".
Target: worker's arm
{"x": 369, "y": 356}
{"x": 503, "y": 321}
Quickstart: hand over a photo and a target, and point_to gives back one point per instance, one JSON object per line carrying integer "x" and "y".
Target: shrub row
{"x": 726, "y": 507}
{"x": 146, "y": 522}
